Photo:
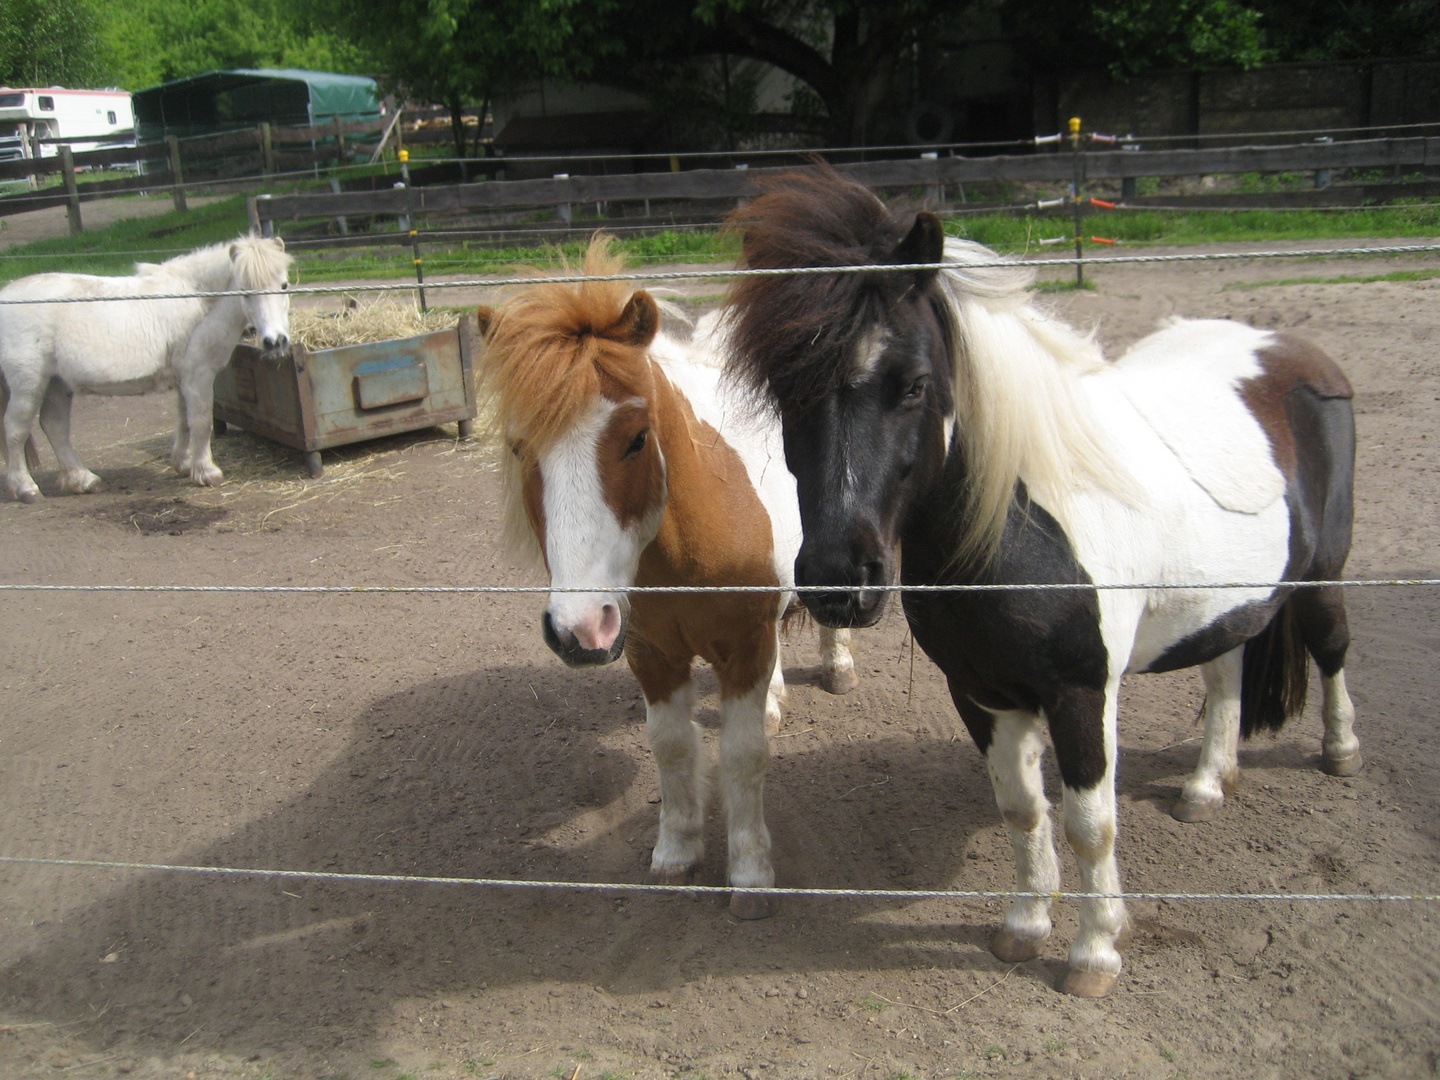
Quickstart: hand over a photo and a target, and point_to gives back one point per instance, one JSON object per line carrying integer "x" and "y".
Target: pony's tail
{"x": 1276, "y": 675}
{"x": 32, "y": 449}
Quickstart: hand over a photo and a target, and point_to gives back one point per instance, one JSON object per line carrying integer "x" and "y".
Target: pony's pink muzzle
{"x": 595, "y": 637}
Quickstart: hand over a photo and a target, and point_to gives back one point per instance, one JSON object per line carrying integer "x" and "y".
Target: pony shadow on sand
{"x": 516, "y": 773}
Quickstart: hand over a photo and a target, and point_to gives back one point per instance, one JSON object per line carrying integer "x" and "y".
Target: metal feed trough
{"x": 315, "y": 400}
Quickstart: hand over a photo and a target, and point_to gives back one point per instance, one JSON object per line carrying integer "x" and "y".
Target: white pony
{"x": 48, "y": 352}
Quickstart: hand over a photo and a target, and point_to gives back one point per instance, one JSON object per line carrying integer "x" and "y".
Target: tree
{"x": 459, "y": 52}
{"x": 54, "y": 43}
{"x": 154, "y": 41}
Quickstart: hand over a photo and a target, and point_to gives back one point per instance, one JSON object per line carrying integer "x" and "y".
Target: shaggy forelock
{"x": 259, "y": 262}
{"x": 785, "y": 331}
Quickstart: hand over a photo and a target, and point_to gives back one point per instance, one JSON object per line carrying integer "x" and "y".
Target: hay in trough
{"x": 361, "y": 322}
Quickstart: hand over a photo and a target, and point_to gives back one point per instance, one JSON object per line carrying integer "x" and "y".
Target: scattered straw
{"x": 359, "y": 322}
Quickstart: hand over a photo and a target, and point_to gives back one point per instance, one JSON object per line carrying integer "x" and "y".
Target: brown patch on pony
{"x": 634, "y": 484}
{"x": 786, "y": 331}
{"x": 1289, "y": 364}
{"x": 549, "y": 346}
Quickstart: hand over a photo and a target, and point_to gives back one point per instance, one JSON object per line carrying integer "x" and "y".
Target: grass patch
{"x": 114, "y": 249}
{"x": 1062, "y": 285}
{"x": 1197, "y": 227}
{"x": 1343, "y": 279}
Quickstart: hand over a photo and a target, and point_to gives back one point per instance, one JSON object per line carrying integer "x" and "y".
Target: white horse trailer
{"x": 87, "y": 119}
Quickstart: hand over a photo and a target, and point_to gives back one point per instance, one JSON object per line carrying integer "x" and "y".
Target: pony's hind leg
{"x": 1320, "y": 614}
{"x": 19, "y": 418}
{"x": 75, "y": 479}
{"x": 837, "y": 666}
{"x": 1218, "y": 772}
{"x": 1017, "y": 743}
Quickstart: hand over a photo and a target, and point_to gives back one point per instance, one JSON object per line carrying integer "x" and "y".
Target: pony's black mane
{"x": 785, "y": 332}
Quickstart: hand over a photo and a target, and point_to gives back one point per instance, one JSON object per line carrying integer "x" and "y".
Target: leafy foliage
{"x": 154, "y": 41}
{"x": 50, "y": 43}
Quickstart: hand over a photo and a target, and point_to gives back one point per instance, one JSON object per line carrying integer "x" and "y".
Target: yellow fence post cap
{"x": 1074, "y": 125}
{"x": 405, "y": 154}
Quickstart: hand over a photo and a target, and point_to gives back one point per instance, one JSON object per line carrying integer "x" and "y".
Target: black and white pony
{"x": 941, "y": 413}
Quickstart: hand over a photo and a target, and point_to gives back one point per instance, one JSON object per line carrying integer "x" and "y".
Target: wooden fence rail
{"x": 919, "y": 172}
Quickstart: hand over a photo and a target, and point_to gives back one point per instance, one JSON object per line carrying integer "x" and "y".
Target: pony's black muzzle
{"x": 565, "y": 645}
{"x": 841, "y": 592}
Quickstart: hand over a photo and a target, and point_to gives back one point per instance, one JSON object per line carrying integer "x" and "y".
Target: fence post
{"x": 562, "y": 209}
{"x": 339, "y": 140}
{"x": 1322, "y": 176}
{"x": 72, "y": 193}
{"x": 341, "y": 222}
{"x": 172, "y": 145}
{"x": 267, "y": 149}
{"x": 935, "y": 191}
{"x": 409, "y": 223}
{"x": 1075, "y": 201}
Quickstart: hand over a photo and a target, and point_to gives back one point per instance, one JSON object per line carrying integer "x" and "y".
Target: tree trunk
{"x": 457, "y": 125}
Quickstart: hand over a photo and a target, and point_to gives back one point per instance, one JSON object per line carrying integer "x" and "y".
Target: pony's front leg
{"x": 1017, "y": 743}
{"x": 1084, "y": 736}
{"x": 675, "y": 744}
{"x": 197, "y": 414}
{"x": 744, "y": 760}
{"x": 1218, "y": 772}
{"x": 180, "y": 446}
{"x": 75, "y": 479}
{"x": 837, "y": 666}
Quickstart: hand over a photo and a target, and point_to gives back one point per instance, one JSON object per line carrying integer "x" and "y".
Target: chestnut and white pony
{"x": 629, "y": 464}
{"x": 50, "y": 352}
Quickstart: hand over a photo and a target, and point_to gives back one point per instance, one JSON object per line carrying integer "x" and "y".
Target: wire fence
{"x": 911, "y": 894}
{"x": 701, "y": 275}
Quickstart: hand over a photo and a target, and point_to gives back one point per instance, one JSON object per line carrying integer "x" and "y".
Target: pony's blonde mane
{"x": 258, "y": 263}
{"x": 1020, "y": 412}
{"x": 545, "y": 355}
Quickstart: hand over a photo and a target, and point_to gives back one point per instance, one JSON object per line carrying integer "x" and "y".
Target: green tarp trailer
{"x": 219, "y": 101}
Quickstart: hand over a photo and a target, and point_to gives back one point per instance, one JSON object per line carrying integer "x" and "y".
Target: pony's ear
{"x": 485, "y": 316}
{"x": 638, "y": 323}
{"x": 278, "y": 242}
{"x": 924, "y": 243}
{"x": 233, "y": 249}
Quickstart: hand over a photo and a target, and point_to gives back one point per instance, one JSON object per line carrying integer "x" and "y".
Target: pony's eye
{"x": 916, "y": 388}
{"x": 515, "y": 449}
{"x": 285, "y": 286}
{"x": 638, "y": 443}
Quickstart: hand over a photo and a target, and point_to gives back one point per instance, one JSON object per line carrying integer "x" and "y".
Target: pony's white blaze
{"x": 586, "y": 544}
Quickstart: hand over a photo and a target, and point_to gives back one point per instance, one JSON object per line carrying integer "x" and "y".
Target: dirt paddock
{"x": 436, "y": 735}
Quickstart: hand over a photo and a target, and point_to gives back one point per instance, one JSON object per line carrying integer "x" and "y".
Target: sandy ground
{"x": 436, "y": 735}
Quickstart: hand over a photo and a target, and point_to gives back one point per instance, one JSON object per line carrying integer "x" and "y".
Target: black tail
{"x": 1276, "y": 675}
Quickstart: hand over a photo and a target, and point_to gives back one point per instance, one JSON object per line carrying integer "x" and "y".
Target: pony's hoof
{"x": 1197, "y": 808}
{"x": 27, "y": 495}
{"x": 753, "y": 905}
{"x": 839, "y": 682}
{"x": 81, "y": 483}
{"x": 1012, "y": 948}
{"x": 681, "y": 875}
{"x": 1346, "y": 765}
{"x": 1089, "y": 984}
{"x": 208, "y": 477}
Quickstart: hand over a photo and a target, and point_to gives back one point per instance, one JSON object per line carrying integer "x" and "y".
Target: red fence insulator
{"x": 1102, "y": 240}
{"x": 1103, "y": 204}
